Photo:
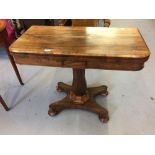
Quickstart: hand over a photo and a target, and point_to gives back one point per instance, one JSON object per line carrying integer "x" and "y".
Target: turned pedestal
{"x": 80, "y": 97}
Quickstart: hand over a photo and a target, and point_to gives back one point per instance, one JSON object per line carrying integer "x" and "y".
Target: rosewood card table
{"x": 80, "y": 48}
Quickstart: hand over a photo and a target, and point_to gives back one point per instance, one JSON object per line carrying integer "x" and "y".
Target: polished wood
{"x": 3, "y": 103}
{"x": 80, "y": 97}
{"x": 79, "y": 82}
{"x": 3, "y": 39}
{"x": 80, "y": 48}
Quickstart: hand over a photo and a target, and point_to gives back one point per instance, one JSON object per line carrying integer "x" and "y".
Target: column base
{"x": 85, "y": 102}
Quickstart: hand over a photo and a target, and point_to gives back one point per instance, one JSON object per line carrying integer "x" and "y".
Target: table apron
{"x": 133, "y": 64}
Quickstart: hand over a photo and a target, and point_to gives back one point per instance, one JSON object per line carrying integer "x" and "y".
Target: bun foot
{"x": 104, "y": 118}
{"x": 52, "y": 112}
{"x": 58, "y": 89}
{"x": 104, "y": 93}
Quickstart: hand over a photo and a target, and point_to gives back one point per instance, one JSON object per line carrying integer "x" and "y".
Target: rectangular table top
{"x": 84, "y": 43}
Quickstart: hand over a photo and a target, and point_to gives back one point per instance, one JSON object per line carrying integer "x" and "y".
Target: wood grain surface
{"x": 82, "y": 47}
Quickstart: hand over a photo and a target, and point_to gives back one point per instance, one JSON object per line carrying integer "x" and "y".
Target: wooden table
{"x": 81, "y": 48}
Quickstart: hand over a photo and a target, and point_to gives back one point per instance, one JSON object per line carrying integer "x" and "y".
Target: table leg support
{"x": 80, "y": 97}
{"x": 13, "y": 62}
{"x": 4, "y": 104}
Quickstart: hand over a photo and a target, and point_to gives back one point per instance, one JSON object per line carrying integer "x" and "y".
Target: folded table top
{"x": 81, "y": 47}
